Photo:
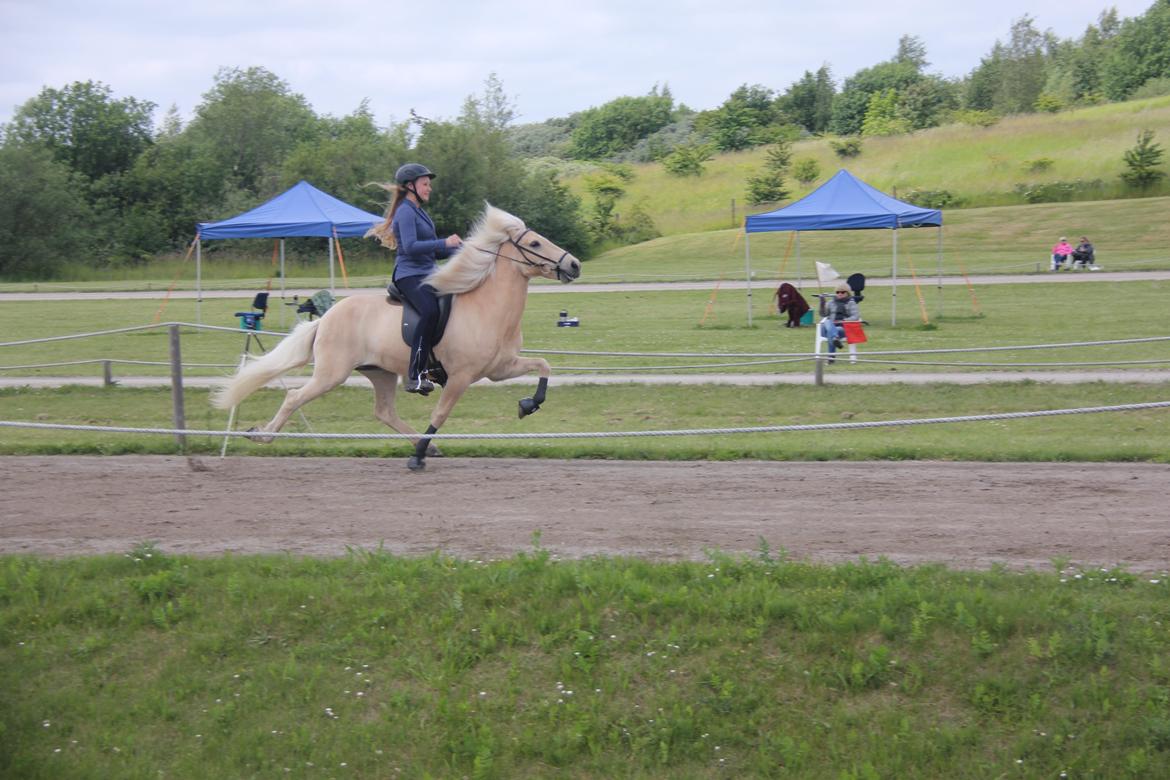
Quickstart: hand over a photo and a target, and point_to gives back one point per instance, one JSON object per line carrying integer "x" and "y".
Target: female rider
{"x": 409, "y": 230}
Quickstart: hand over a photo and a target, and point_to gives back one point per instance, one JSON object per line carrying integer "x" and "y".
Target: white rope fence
{"x": 600, "y": 434}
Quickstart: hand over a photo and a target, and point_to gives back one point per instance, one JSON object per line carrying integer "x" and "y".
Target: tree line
{"x": 85, "y": 176}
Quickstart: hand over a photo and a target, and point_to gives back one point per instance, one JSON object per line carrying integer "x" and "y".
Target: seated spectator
{"x": 1060, "y": 253}
{"x": 838, "y": 310}
{"x": 1083, "y": 256}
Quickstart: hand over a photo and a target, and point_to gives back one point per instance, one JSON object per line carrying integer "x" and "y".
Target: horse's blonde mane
{"x": 473, "y": 264}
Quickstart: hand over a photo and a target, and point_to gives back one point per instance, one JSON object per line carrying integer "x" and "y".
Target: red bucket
{"x": 853, "y": 332}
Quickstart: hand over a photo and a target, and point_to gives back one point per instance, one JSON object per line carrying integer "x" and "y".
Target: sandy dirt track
{"x": 965, "y": 515}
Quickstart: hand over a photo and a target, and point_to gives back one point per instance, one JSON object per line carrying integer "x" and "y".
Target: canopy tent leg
{"x": 894, "y": 284}
{"x": 747, "y": 255}
{"x": 198, "y": 281}
{"x": 938, "y": 263}
{"x": 283, "y": 311}
{"x": 332, "y": 286}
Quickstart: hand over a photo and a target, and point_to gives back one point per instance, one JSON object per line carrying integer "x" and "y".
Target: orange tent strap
{"x": 341, "y": 260}
{"x": 166, "y": 298}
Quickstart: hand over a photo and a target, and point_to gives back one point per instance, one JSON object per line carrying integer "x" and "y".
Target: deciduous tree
{"x": 86, "y": 128}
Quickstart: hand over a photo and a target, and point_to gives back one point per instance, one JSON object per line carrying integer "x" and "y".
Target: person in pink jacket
{"x": 1060, "y": 253}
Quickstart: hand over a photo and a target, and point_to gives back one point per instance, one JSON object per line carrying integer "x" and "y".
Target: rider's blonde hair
{"x": 384, "y": 230}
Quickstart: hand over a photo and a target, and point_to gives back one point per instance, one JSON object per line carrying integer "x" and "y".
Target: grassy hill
{"x": 701, "y": 217}
{"x": 980, "y": 165}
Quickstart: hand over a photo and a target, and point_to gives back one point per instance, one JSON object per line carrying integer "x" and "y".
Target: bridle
{"x": 527, "y": 255}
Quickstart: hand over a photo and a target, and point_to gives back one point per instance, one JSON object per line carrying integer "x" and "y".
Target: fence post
{"x": 818, "y": 360}
{"x": 180, "y": 418}
{"x": 107, "y": 374}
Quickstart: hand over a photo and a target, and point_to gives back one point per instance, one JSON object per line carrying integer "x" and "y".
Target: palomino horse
{"x": 489, "y": 277}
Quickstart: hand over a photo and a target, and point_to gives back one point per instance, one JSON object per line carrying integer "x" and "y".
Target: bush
{"x": 1155, "y": 87}
{"x": 933, "y": 199}
{"x": 1143, "y": 161}
{"x": 1061, "y": 191}
{"x": 1048, "y": 103}
{"x": 687, "y": 159}
{"x": 1039, "y": 165}
{"x": 976, "y": 118}
{"x": 768, "y": 187}
{"x": 806, "y": 170}
{"x": 846, "y": 147}
{"x": 636, "y": 225}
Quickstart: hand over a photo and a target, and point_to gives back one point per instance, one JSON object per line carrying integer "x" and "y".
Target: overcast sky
{"x": 552, "y": 57}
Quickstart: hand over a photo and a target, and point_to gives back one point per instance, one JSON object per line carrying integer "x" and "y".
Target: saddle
{"x": 410, "y": 318}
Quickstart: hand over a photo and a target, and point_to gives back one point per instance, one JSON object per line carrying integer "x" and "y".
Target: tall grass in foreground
{"x": 153, "y": 665}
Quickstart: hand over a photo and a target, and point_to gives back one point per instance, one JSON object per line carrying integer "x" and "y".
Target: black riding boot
{"x": 416, "y": 382}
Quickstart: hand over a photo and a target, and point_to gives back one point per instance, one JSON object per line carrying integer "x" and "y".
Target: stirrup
{"x": 420, "y": 385}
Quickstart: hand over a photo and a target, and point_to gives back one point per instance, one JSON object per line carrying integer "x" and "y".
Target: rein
{"x": 525, "y": 259}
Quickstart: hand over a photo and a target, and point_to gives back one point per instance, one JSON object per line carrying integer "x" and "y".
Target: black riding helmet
{"x": 410, "y": 172}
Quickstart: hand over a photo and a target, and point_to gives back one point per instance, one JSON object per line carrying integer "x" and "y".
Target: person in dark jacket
{"x": 409, "y": 231}
{"x": 790, "y": 301}
{"x": 1084, "y": 256}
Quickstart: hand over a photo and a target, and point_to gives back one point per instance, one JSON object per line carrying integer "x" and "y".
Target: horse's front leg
{"x": 455, "y": 388}
{"x": 520, "y": 366}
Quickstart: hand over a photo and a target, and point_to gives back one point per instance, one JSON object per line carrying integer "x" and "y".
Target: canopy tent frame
{"x": 845, "y": 202}
{"x": 300, "y": 211}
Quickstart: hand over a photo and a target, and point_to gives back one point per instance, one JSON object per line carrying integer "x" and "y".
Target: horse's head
{"x": 540, "y": 257}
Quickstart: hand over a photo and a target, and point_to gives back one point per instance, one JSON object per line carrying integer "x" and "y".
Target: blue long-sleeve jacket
{"x": 418, "y": 245}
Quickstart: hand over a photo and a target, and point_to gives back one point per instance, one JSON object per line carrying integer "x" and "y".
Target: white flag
{"x": 825, "y": 273}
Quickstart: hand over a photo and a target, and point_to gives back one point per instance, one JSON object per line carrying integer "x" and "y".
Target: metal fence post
{"x": 180, "y": 417}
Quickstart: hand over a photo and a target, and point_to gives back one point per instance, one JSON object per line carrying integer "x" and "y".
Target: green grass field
{"x": 1130, "y": 235}
{"x": 1139, "y": 435}
{"x": 697, "y": 321}
{"x": 652, "y": 322}
{"x": 374, "y": 666}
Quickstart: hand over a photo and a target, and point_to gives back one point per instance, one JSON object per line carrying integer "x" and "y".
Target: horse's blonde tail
{"x": 293, "y": 351}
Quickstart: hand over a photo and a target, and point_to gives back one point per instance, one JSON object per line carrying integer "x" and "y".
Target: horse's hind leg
{"x": 385, "y": 386}
{"x": 324, "y": 379}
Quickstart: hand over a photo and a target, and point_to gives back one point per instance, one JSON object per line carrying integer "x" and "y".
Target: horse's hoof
{"x": 258, "y": 439}
{"x": 415, "y": 463}
{"x": 527, "y": 407}
{"x": 433, "y": 451}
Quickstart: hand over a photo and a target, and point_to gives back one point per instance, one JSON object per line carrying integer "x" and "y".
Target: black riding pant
{"x": 422, "y": 297}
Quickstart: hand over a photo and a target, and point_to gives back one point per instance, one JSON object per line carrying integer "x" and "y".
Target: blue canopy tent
{"x": 844, "y": 202}
{"x": 302, "y": 210}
